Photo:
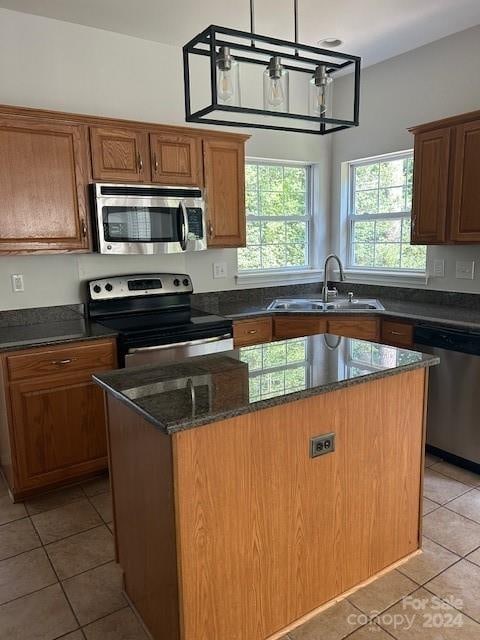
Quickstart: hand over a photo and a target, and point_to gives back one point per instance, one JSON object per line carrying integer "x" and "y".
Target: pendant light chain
{"x": 252, "y": 21}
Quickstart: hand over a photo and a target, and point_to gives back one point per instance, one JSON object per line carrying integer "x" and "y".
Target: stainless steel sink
{"x": 341, "y": 304}
{"x": 297, "y": 304}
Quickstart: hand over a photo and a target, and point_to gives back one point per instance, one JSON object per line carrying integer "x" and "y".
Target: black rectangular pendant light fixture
{"x": 230, "y": 51}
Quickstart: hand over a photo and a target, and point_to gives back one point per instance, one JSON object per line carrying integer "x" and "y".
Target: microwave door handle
{"x": 184, "y": 238}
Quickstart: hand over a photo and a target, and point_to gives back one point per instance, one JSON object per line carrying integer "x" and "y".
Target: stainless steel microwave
{"x": 148, "y": 219}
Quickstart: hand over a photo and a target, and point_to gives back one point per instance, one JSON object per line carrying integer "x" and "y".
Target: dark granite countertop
{"x": 419, "y": 311}
{"x": 206, "y": 389}
{"x": 52, "y": 332}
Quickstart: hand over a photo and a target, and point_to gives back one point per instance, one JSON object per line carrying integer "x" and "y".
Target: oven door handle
{"x": 161, "y": 347}
{"x": 184, "y": 225}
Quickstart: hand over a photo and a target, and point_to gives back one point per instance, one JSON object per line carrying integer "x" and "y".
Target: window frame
{"x": 351, "y": 218}
{"x": 278, "y": 272}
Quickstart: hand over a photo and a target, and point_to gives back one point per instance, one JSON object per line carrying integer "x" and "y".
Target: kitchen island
{"x": 253, "y": 487}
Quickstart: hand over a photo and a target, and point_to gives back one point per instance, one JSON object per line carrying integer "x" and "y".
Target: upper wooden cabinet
{"x": 224, "y": 166}
{"x": 43, "y": 186}
{"x": 176, "y": 159}
{"x": 446, "y": 182}
{"x": 48, "y": 159}
{"x": 430, "y": 186}
{"x": 119, "y": 155}
{"x": 466, "y": 184}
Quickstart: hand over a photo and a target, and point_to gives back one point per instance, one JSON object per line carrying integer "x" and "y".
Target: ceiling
{"x": 373, "y": 29}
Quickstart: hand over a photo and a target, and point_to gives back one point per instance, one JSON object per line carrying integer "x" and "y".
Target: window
{"x": 379, "y": 224}
{"x": 276, "y": 369}
{"x": 278, "y": 217}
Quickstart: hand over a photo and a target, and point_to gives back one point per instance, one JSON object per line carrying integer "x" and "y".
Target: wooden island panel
{"x": 265, "y": 535}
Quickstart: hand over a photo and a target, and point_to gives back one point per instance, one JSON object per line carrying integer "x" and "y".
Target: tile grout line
{"x": 446, "y": 548}
{"x": 473, "y": 486}
{"x": 58, "y": 580}
{"x": 477, "y": 622}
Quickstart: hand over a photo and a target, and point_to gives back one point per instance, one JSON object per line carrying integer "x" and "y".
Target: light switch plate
{"x": 219, "y": 269}
{"x": 17, "y": 283}
{"x": 465, "y": 270}
{"x": 439, "y": 268}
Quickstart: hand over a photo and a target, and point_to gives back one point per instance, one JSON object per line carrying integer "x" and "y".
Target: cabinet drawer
{"x": 255, "y": 331}
{"x": 75, "y": 357}
{"x": 361, "y": 328}
{"x": 298, "y": 326}
{"x": 397, "y": 333}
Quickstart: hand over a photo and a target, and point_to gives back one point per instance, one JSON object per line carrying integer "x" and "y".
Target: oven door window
{"x": 141, "y": 224}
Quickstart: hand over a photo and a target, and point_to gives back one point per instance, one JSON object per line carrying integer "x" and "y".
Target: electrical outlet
{"x": 439, "y": 268}
{"x": 465, "y": 270}
{"x": 219, "y": 269}
{"x": 320, "y": 445}
{"x": 17, "y": 283}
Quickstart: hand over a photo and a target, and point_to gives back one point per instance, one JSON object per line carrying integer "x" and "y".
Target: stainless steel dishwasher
{"x": 453, "y": 413}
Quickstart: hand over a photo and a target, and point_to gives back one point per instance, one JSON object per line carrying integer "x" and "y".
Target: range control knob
{"x": 97, "y": 288}
{"x": 186, "y": 282}
{"x": 108, "y": 287}
{"x": 176, "y": 282}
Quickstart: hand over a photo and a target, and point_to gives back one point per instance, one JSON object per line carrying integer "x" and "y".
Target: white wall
{"x": 435, "y": 81}
{"x": 50, "y": 64}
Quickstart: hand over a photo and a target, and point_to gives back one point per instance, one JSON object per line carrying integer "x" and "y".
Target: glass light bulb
{"x": 276, "y": 94}
{"x": 320, "y": 97}
{"x": 320, "y": 105}
{"x": 225, "y": 85}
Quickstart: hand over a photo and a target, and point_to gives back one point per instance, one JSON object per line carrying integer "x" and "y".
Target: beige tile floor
{"x": 58, "y": 578}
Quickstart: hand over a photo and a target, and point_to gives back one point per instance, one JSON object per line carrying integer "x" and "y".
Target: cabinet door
{"x": 430, "y": 187}
{"x": 224, "y": 164}
{"x": 43, "y": 186}
{"x": 466, "y": 184}
{"x": 119, "y": 155}
{"x": 360, "y": 328}
{"x": 176, "y": 159}
{"x": 298, "y": 326}
{"x": 59, "y": 428}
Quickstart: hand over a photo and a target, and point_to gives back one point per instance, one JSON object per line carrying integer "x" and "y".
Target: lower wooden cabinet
{"x": 252, "y": 331}
{"x": 397, "y": 333}
{"x": 297, "y": 326}
{"x": 55, "y": 419}
{"x": 361, "y": 327}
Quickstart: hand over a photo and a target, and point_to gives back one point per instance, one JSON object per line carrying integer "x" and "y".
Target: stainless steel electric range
{"x": 154, "y": 318}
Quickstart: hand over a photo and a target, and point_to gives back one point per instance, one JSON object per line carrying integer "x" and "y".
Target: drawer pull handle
{"x": 252, "y": 331}
{"x": 397, "y": 333}
{"x": 61, "y": 363}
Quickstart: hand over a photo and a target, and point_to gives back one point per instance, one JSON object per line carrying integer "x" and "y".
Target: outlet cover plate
{"x": 17, "y": 283}
{"x": 219, "y": 269}
{"x": 320, "y": 445}
{"x": 465, "y": 270}
{"x": 439, "y": 268}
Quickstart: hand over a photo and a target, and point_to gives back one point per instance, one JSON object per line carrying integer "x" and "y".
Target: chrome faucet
{"x": 325, "y": 289}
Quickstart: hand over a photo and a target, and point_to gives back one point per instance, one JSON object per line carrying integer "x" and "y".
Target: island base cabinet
{"x": 232, "y": 531}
